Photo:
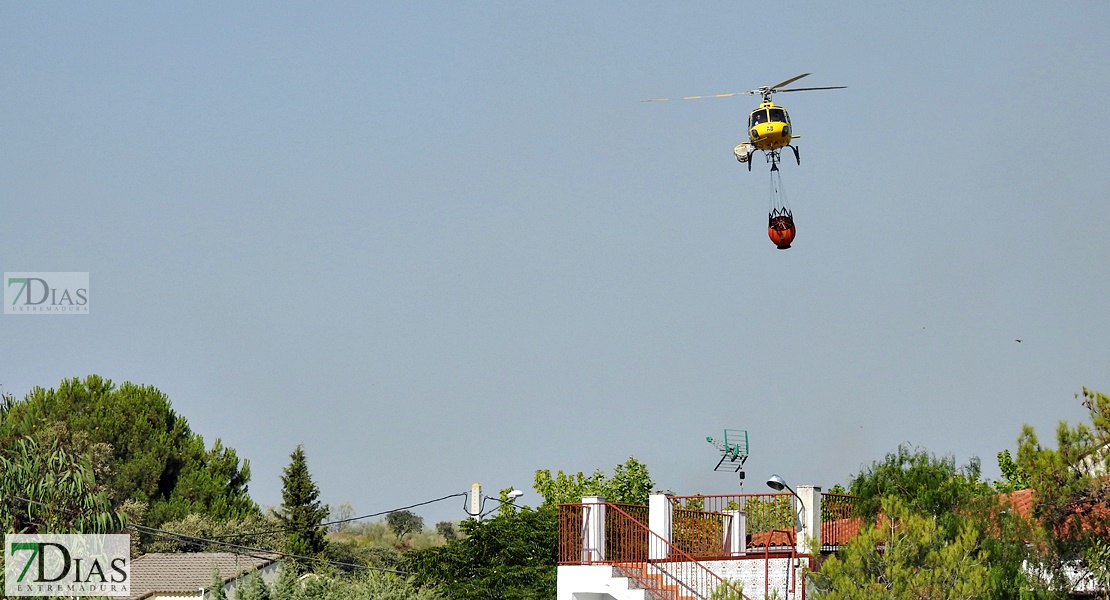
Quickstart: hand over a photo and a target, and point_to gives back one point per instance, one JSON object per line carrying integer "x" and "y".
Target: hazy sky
{"x": 445, "y": 243}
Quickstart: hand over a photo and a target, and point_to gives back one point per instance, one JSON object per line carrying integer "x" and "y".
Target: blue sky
{"x": 445, "y": 243}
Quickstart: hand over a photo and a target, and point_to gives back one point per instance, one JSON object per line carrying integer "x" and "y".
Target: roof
{"x": 833, "y": 533}
{"x": 186, "y": 572}
{"x": 1021, "y": 501}
{"x": 1086, "y": 514}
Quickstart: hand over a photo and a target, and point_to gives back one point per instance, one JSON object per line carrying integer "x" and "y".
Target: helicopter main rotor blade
{"x": 700, "y": 97}
{"x": 788, "y": 81}
{"x": 835, "y": 87}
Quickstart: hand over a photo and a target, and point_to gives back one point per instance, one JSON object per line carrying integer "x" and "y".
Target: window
{"x": 778, "y": 114}
{"x": 759, "y": 116}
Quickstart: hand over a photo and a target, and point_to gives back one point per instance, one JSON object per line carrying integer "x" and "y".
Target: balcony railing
{"x": 625, "y": 542}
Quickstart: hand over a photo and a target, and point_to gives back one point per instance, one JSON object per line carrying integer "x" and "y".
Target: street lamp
{"x": 778, "y": 484}
{"x": 512, "y": 496}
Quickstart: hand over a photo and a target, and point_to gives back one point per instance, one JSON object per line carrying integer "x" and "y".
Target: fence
{"x": 656, "y": 564}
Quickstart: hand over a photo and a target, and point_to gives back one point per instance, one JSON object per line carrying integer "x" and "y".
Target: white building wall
{"x": 588, "y": 582}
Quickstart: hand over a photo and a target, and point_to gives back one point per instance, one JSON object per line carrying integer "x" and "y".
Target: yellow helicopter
{"x": 768, "y": 126}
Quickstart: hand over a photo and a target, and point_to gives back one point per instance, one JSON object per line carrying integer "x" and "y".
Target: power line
{"x": 330, "y": 523}
{"x": 263, "y": 551}
{"x": 266, "y": 553}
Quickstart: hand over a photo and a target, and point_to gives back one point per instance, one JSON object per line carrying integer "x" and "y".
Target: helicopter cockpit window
{"x": 759, "y": 116}
{"x": 779, "y": 115}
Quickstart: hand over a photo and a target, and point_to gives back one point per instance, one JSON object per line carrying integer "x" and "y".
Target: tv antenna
{"x": 734, "y": 452}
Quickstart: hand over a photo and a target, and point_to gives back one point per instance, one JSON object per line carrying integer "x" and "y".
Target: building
{"x": 754, "y": 546}
{"x": 171, "y": 576}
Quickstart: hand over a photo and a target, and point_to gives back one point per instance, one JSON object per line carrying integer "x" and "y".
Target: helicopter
{"x": 769, "y": 127}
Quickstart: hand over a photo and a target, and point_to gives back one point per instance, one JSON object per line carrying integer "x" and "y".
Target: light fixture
{"x": 510, "y": 498}
{"x": 778, "y": 483}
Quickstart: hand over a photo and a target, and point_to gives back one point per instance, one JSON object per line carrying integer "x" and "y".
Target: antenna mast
{"x": 734, "y": 452}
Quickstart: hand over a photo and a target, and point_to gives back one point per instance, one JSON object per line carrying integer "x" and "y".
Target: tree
{"x": 1013, "y": 479}
{"x": 254, "y": 588}
{"x": 153, "y": 455}
{"x": 216, "y": 587}
{"x": 1072, "y": 493}
{"x": 256, "y": 531}
{"x": 367, "y": 584}
{"x": 926, "y": 484}
{"x": 447, "y": 530}
{"x": 514, "y": 555}
{"x": 907, "y": 555}
{"x": 404, "y": 522}
{"x": 954, "y": 499}
{"x": 47, "y": 488}
{"x": 630, "y": 484}
{"x": 343, "y": 513}
{"x": 511, "y": 556}
{"x": 302, "y": 514}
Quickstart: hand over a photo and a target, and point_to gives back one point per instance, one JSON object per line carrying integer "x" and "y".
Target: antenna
{"x": 734, "y": 452}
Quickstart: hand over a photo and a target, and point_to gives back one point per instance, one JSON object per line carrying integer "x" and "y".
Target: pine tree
{"x": 254, "y": 588}
{"x": 301, "y": 510}
{"x": 216, "y": 588}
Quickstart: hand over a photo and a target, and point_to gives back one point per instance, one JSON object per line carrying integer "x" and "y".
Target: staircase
{"x": 652, "y": 584}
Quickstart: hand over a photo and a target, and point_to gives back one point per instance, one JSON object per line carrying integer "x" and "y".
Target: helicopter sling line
{"x": 780, "y": 221}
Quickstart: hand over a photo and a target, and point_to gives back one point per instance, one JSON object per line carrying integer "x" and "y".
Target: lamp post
{"x": 778, "y": 484}
{"x": 512, "y": 496}
{"x": 478, "y": 501}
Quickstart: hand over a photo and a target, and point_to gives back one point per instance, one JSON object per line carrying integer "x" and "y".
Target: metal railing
{"x": 839, "y": 520}
{"x": 662, "y": 568}
{"x": 763, "y": 515}
{"x": 699, "y": 533}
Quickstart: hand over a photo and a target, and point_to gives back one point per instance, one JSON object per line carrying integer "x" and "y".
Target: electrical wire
{"x": 271, "y": 553}
{"x": 264, "y": 552}
{"x": 330, "y": 523}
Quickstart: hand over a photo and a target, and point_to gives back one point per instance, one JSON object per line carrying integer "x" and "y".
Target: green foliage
{"x": 366, "y": 584}
{"x": 926, "y": 484}
{"x": 1013, "y": 478}
{"x": 907, "y": 556}
{"x": 511, "y": 556}
{"x": 47, "y": 487}
{"x": 1071, "y": 492}
{"x": 769, "y": 513}
{"x": 352, "y": 555}
{"x": 447, "y": 530}
{"x": 216, "y": 587}
{"x": 1097, "y": 557}
{"x": 253, "y": 589}
{"x": 286, "y": 587}
{"x": 343, "y": 512}
{"x": 630, "y": 484}
{"x": 728, "y": 590}
{"x": 151, "y": 454}
{"x": 302, "y": 514}
{"x": 256, "y": 531}
{"x": 942, "y": 510}
{"x": 404, "y": 522}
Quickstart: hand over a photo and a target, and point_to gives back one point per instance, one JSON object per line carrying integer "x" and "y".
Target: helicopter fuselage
{"x": 769, "y": 127}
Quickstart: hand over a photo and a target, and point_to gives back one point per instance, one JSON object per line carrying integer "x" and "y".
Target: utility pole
{"x": 476, "y": 502}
